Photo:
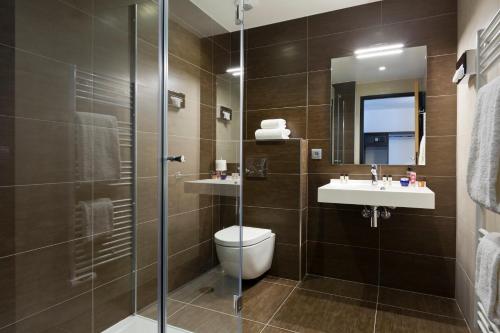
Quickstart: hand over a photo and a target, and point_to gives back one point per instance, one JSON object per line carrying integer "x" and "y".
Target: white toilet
{"x": 258, "y": 249}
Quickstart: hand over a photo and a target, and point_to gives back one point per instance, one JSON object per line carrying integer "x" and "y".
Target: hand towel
{"x": 484, "y": 156}
{"x": 272, "y": 134}
{"x": 97, "y": 216}
{"x": 487, "y": 266}
{"x": 273, "y": 123}
{"x": 98, "y": 146}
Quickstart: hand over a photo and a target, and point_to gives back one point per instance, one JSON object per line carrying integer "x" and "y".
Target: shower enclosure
{"x": 112, "y": 116}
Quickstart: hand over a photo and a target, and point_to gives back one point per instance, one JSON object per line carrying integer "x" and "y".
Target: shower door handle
{"x": 176, "y": 158}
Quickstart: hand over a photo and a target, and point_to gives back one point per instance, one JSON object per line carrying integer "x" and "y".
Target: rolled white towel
{"x": 272, "y": 134}
{"x": 273, "y": 123}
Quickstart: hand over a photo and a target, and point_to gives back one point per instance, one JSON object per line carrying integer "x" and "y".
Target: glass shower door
{"x": 201, "y": 147}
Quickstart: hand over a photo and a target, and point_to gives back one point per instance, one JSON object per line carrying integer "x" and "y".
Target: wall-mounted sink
{"x": 362, "y": 192}
{"x": 227, "y": 187}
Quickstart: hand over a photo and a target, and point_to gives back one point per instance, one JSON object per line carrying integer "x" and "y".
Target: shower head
{"x": 247, "y": 4}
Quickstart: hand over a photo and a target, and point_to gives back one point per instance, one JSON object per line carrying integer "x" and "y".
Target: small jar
{"x": 422, "y": 182}
{"x": 214, "y": 175}
{"x": 346, "y": 177}
{"x": 342, "y": 178}
{"x": 384, "y": 179}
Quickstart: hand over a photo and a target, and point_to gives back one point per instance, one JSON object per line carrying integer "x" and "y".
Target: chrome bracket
{"x": 237, "y": 303}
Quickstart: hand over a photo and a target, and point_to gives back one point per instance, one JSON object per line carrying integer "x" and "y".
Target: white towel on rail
{"x": 487, "y": 270}
{"x": 484, "y": 157}
{"x": 97, "y": 216}
{"x": 97, "y": 146}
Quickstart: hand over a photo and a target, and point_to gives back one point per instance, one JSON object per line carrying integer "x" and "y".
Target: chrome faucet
{"x": 374, "y": 174}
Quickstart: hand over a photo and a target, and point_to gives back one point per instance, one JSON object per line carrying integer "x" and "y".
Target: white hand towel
{"x": 273, "y": 123}
{"x": 487, "y": 266}
{"x": 272, "y": 134}
{"x": 484, "y": 156}
{"x": 98, "y": 146}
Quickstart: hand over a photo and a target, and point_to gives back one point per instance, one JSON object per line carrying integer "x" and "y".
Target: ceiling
{"x": 266, "y": 12}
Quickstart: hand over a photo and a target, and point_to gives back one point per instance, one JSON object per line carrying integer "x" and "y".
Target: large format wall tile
{"x": 70, "y": 41}
{"x": 277, "y": 33}
{"x": 343, "y": 262}
{"x": 278, "y": 92}
{"x": 113, "y": 302}
{"x": 38, "y": 215}
{"x": 419, "y": 234}
{"x": 398, "y": 10}
{"x": 188, "y": 229}
{"x": 278, "y": 59}
{"x": 341, "y": 227}
{"x": 74, "y": 315}
{"x": 425, "y": 274}
{"x": 50, "y": 267}
{"x": 283, "y": 156}
{"x": 347, "y": 19}
{"x": 276, "y": 190}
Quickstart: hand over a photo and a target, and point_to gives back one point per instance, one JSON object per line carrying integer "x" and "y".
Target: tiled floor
{"x": 317, "y": 304}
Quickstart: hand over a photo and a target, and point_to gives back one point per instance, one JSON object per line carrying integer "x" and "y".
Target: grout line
{"x": 189, "y": 248}
{"x": 45, "y": 309}
{"x": 278, "y": 309}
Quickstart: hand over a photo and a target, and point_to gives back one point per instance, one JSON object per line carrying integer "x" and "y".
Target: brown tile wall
{"x": 278, "y": 201}
{"x": 193, "y": 219}
{"x": 288, "y": 76}
{"x": 39, "y": 187}
{"x": 39, "y": 190}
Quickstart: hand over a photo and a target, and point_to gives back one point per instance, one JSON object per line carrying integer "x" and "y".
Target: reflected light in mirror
{"x": 379, "y": 48}
{"x": 382, "y": 68}
{"x": 378, "y": 54}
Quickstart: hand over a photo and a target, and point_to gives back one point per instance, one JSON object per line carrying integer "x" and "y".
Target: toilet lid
{"x": 231, "y": 236}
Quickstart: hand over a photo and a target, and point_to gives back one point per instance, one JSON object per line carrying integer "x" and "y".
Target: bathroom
{"x": 249, "y": 166}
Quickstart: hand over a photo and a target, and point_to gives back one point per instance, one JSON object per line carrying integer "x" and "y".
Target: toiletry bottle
{"x": 346, "y": 177}
{"x": 384, "y": 180}
{"x": 413, "y": 178}
{"x": 342, "y": 178}
{"x": 389, "y": 180}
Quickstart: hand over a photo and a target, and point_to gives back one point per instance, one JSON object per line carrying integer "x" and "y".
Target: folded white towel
{"x": 98, "y": 146}
{"x": 272, "y": 134}
{"x": 273, "y": 123}
{"x": 484, "y": 157}
{"x": 97, "y": 216}
{"x": 487, "y": 269}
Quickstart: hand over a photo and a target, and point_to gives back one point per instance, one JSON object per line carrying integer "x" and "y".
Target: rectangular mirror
{"x": 378, "y": 106}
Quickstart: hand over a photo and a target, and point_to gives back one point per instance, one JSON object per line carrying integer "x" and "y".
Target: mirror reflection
{"x": 378, "y": 106}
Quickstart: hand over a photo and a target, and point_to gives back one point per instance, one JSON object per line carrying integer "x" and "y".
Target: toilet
{"x": 258, "y": 250}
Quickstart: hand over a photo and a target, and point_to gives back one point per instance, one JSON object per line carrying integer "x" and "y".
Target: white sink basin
{"x": 227, "y": 187}
{"x": 362, "y": 192}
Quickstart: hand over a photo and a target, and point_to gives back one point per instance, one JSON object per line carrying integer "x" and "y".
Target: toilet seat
{"x": 230, "y": 237}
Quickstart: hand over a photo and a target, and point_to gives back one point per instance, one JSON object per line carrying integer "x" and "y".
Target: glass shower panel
{"x": 202, "y": 141}
{"x": 79, "y": 177}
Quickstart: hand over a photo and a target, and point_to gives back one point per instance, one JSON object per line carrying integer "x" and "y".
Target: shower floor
{"x": 316, "y": 304}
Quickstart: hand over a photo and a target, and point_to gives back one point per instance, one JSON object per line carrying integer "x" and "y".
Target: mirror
{"x": 378, "y": 106}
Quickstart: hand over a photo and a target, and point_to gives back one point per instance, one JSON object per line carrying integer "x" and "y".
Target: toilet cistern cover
{"x": 231, "y": 236}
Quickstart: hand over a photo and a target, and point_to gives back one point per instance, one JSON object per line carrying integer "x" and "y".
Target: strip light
{"x": 378, "y": 54}
{"x": 378, "y": 51}
{"x": 233, "y": 70}
{"x": 379, "y": 48}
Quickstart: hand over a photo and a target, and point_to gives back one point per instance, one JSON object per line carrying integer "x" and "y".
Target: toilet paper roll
{"x": 220, "y": 165}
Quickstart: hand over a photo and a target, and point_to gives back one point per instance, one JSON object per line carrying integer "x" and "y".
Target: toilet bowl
{"x": 258, "y": 249}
